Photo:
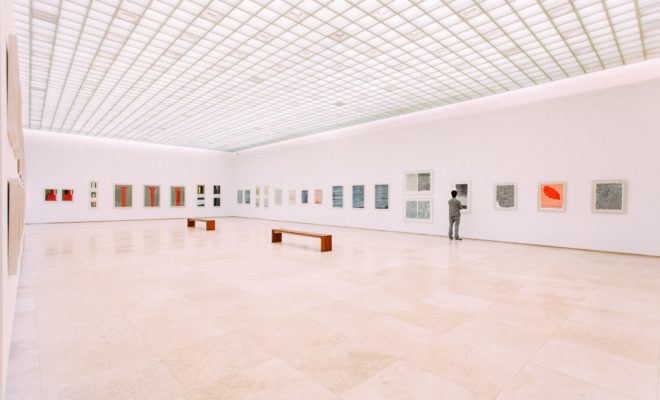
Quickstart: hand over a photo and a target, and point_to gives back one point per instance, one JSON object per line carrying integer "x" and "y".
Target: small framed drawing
{"x": 239, "y": 196}
{"x": 318, "y": 196}
{"x": 609, "y": 197}
{"x": 292, "y": 197}
{"x": 304, "y": 197}
{"x": 337, "y": 196}
{"x": 419, "y": 210}
{"x": 382, "y": 197}
{"x": 464, "y": 189}
{"x": 67, "y": 194}
{"x": 278, "y": 197}
{"x": 177, "y": 196}
{"x": 506, "y": 196}
{"x": 552, "y": 196}
{"x": 123, "y": 196}
{"x": 419, "y": 182}
{"x": 151, "y": 196}
{"x": 358, "y": 196}
{"x": 50, "y": 194}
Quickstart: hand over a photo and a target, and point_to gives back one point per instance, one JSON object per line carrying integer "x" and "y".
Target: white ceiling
{"x": 230, "y": 75}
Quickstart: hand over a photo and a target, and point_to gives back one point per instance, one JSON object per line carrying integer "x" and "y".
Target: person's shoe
{"x": 458, "y": 238}
{"x": 451, "y": 238}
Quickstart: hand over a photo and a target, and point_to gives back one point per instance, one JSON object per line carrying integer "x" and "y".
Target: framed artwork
{"x": 177, "y": 196}
{"x": 216, "y": 202}
{"x": 609, "y": 197}
{"x": 50, "y": 194}
{"x": 304, "y": 196}
{"x": 257, "y": 201}
{"x": 200, "y": 201}
{"x": 266, "y": 191}
{"x": 216, "y": 189}
{"x": 200, "y": 189}
{"x": 247, "y": 196}
{"x": 278, "y": 197}
{"x": 358, "y": 196}
{"x": 92, "y": 195}
{"x": 123, "y": 196}
{"x": 151, "y": 196}
{"x": 239, "y": 197}
{"x": 256, "y": 191}
{"x": 292, "y": 197}
{"x": 318, "y": 196}
{"x": 265, "y": 201}
{"x": 552, "y": 196}
{"x": 67, "y": 194}
{"x": 337, "y": 196}
{"x": 506, "y": 196}
{"x": 382, "y": 197}
{"x": 419, "y": 182}
{"x": 92, "y": 204}
{"x": 419, "y": 210}
{"x": 93, "y": 185}
{"x": 464, "y": 189}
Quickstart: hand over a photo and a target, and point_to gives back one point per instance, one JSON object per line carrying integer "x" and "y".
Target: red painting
{"x": 51, "y": 194}
{"x": 67, "y": 194}
{"x": 178, "y": 196}
{"x": 552, "y": 196}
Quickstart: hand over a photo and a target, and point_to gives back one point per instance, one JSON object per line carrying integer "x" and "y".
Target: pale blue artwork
{"x": 338, "y": 196}
{"x": 382, "y": 197}
{"x": 304, "y": 196}
{"x": 358, "y": 196}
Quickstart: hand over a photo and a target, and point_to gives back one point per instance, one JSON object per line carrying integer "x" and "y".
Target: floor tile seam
{"x": 548, "y": 368}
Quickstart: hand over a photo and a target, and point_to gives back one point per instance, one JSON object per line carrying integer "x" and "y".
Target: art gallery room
{"x": 330, "y": 199}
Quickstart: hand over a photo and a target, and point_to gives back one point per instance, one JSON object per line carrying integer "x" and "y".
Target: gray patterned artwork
{"x": 609, "y": 196}
{"x": 418, "y": 182}
{"x": 382, "y": 197}
{"x": 304, "y": 196}
{"x": 247, "y": 196}
{"x": 338, "y": 196}
{"x": 418, "y": 210}
{"x": 358, "y": 196}
{"x": 505, "y": 196}
{"x": 239, "y": 195}
{"x": 464, "y": 195}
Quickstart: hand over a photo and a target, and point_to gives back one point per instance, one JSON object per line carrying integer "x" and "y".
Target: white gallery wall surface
{"x": 575, "y": 131}
{"x": 92, "y": 167}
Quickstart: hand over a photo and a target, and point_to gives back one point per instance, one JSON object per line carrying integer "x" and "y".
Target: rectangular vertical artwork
{"x": 200, "y": 189}
{"x": 382, "y": 197}
{"x": 552, "y": 196}
{"x": 318, "y": 196}
{"x": 247, "y": 196}
{"x": 292, "y": 197}
{"x": 50, "y": 194}
{"x": 256, "y": 191}
{"x": 304, "y": 196}
{"x": 123, "y": 196}
{"x": 266, "y": 202}
{"x": 151, "y": 196}
{"x": 266, "y": 194}
{"x": 506, "y": 196}
{"x": 358, "y": 196}
{"x": 419, "y": 182}
{"x": 177, "y": 196}
{"x": 201, "y": 200}
{"x": 216, "y": 190}
{"x": 216, "y": 196}
{"x": 464, "y": 189}
{"x": 257, "y": 201}
{"x": 419, "y": 210}
{"x": 278, "y": 197}
{"x": 337, "y": 196}
{"x": 216, "y": 202}
{"x": 93, "y": 187}
{"x": 239, "y": 197}
{"x": 609, "y": 197}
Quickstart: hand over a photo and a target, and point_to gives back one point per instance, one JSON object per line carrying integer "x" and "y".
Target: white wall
{"x": 61, "y": 161}
{"x": 576, "y": 131}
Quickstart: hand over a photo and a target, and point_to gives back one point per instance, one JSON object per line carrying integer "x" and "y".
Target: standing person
{"x": 454, "y": 215}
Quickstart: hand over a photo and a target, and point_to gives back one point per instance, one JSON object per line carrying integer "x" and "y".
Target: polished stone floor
{"x": 154, "y": 310}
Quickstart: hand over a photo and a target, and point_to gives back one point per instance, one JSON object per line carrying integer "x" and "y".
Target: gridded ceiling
{"x": 230, "y": 75}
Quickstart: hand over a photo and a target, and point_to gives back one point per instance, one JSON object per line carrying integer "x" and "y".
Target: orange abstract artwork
{"x": 552, "y": 196}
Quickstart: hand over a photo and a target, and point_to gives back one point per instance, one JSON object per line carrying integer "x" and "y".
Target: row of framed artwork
{"x": 123, "y": 196}
{"x": 381, "y": 196}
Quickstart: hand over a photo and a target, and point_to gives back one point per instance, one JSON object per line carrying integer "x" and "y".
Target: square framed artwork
{"x": 67, "y": 194}
{"x": 151, "y": 196}
{"x": 358, "y": 196}
{"x": 464, "y": 189}
{"x": 418, "y": 210}
{"x": 292, "y": 197}
{"x": 123, "y": 196}
{"x": 92, "y": 204}
{"x": 50, "y": 194}
{"x": 419, "y": 183}
{"x": 177, "y": 196}
{"x": 506, "y": 196}
{"x": 382, "y": 196}
{"x": 609, "y": 196}
{"x": 216, "y": 189}
{"x": 318, "y": 196}
{"x": 92, "y": 195}
{"x": 337, "y": 196}
{"x": 552, "y": 196}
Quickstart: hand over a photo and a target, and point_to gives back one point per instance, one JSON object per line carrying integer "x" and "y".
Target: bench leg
{"x": 276, "y": 237}
{"x": 210, "y": 225}
{"x": 326, "y": 243}
{"x": 191, "y": 223}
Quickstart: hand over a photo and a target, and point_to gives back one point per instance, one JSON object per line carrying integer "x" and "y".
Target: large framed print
{"x": 506, "y": 196}
{"x": 419, "y": 183}
{"x": 419, "y": 209}
{"x": 464, "y": 189}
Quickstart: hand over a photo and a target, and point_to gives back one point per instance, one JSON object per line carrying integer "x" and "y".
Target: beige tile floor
{"x": 153, "y": 310}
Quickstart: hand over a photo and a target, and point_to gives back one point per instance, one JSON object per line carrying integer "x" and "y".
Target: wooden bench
{"x": 326, "y": 240}
{"x": 210, "y": 223}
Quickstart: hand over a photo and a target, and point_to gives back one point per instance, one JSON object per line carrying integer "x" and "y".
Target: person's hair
{"x": 454, "y": 193}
